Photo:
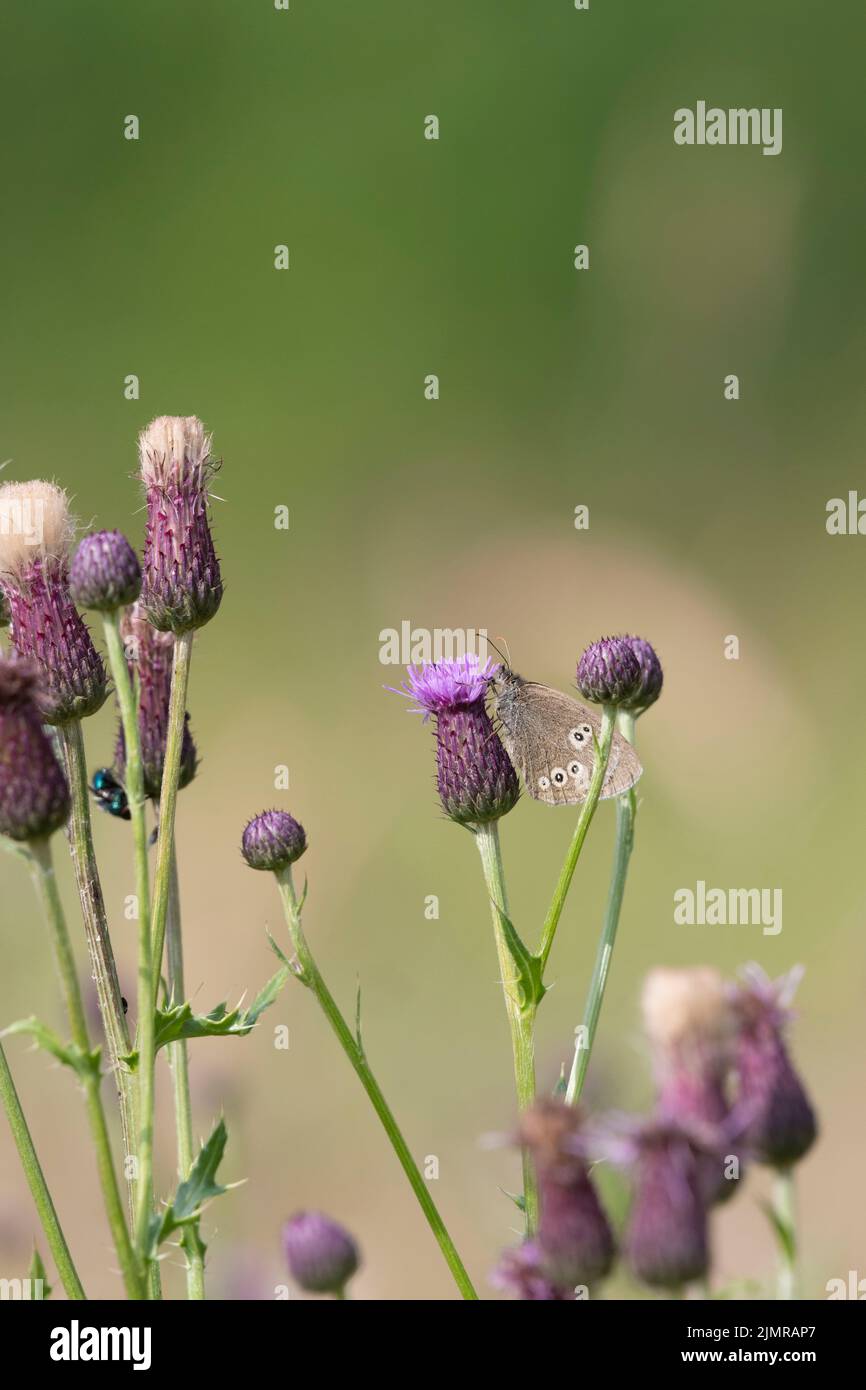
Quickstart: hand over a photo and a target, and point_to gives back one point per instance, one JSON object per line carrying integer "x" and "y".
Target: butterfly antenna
{"x": 506, "y": 656}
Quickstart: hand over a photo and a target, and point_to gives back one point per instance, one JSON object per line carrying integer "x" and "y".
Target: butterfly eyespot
{"x": 544, "y": 783}
{"x": 558, "y": 776}
{"x": 586, "y": 730}
{"x": 579, "y": 735}
{"x": 575, "y": 769}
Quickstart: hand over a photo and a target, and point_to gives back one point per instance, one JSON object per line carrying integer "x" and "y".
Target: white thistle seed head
{"x": 686, "y": 1009}
{"x": 172, "y": 448}
{"x": 35, "y": 524}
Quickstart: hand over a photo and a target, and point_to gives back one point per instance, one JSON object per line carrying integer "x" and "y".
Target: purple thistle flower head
{"x": 574, "y": 1244}
{"x": 474, "y": 776}
{"x": 182, "y": 587}
{"x": 609, "y": 673}
{"x": 273, "y": 840}
{"x": 34, "y": 797}
{"x": 651, "y": 674}
{"x": 151, "y": 652}
{"x": 448, "y": 685}
{"x": 321, "y": 1255}
{"x": 690, "y": 1023}
{"x": 105, "y": 574}
{"x": 520, "y": 1272}
{"x": 779, "y": 1124}
{"x": 46, "y": 626}
{"x": 666, "y": 1240}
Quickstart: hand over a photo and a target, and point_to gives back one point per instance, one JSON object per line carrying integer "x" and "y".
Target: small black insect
{"x": 109, "y": 793}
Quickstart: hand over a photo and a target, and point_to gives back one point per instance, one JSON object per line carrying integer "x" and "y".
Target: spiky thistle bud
{"x": 609, "y": 673}
{"x": 474, "y": 776}
{"x": 321, "y": 1255}
{"x": 778, "y": 1119}
{"x": 273, "y": 840}
{"x": 150, "y": 653}
{"x": 666, "y": 1239}
{"x": 35, "y": 534}
{"x": 690, "y": 1023}
{"x": 651, "y": 674}
{"x": 105, "y": 574}
{"x": 182, "y": 587}
{"x": 34, "y": 797}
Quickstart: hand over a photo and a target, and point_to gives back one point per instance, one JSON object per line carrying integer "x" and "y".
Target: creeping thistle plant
{"x": 727, "y": 1091}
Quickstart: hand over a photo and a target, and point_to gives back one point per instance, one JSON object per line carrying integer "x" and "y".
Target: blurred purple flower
{"x": 321, "y": 1255}
{"x": 666, "y": 1240}
{"x": 779, "y": 1124}
{"x": 690, "y": 1024}
{"x": 574, "y": 1244}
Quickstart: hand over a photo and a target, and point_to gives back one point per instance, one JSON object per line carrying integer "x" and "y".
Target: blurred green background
{"x": 558, "y": 387}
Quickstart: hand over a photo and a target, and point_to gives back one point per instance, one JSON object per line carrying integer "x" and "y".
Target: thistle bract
{"x": 182, "y": 587}
{"x": 321, "y": 1255}
{"x": 105, "y": 574}
{"x": 273, "y": 840}
{"x": 34, "y": 797}
{"x": 150, "y": 653}
{"x": 474, "y": 776}
{"x": 779, "y": 1122}
{"x": 609, "y": 673}
{"x": 46, "y": 626}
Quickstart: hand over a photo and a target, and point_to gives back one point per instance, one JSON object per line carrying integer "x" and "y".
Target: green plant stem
{"x": 521, "y": 1014}
{"x": 37, "y": 1184}
{"x": 102, "y": 960}
{"x": 168, "y": 795}
{"x": 309, "y": 974}
{"x": 145, "y": 1039}
{"x": 784, "y": 1209}
{"x": 626, "y": 806}
{"x": 46, "y": 886}
{"x": 584, "y": 820}
{"x": 191, "y": 1241}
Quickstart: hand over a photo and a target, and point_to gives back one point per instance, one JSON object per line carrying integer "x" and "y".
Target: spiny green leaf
{"x": 179, "y": 1021}
{"x": 193, "y": 1192}
{"x": 38, "y": 1277}
{"x": 201, "y": 1185}
{"x": 529, "y": 967}
{"x": 84, "y": 1063}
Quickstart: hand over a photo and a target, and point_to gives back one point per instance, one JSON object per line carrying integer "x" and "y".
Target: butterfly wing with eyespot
{"x": 548, "y": 737}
